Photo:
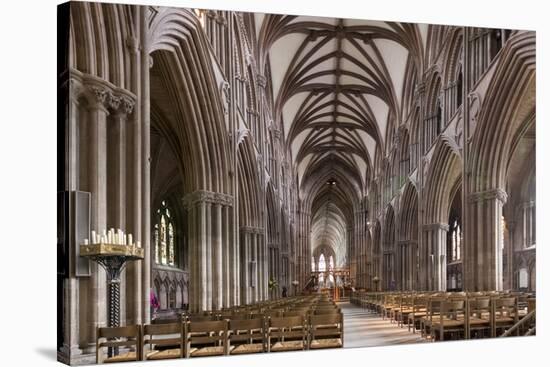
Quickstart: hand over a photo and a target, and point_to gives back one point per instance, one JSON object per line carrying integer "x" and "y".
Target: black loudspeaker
{"x": 73, "y": 226}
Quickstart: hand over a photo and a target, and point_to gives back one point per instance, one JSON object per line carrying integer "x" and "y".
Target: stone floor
{"x": 366, "y": 329}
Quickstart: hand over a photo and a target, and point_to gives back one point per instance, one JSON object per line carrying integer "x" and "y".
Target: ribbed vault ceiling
{"x": 337, "y": 85}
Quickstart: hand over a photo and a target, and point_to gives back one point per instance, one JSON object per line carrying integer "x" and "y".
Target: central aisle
{"x": 365, "y": 329}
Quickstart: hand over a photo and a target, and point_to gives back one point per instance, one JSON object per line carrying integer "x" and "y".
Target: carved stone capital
{"x": 498, "y": 194}
{"x": 133, "y": 45}
{"x": 100, "y": 95}
{"x": 261, "y": 80}
{"x": 252, "y": 230}
{"x": 203, "y": 196}
{"x": 127, "y": 104}
{"x": 113, "y": 101}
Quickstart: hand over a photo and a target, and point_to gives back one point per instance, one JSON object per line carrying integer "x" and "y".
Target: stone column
{"x": 192, "y": 248}
{"x": 483, "y": 266}
{"x": 261, "y": 266}
{"x": 144, "y": 65}
{"x": 201, "y": 257}
{"x": 236, "y": 264}
{"x": 71, "y": 285}
{"x": 412, "y": 265}
{"x": 209, "y": 238}
{"x": 246, "y": 266}
{"x": 209, "y": 259}
{"x": 226, "y": 258}
{"x": 254, "y": 260}
{"x": 117, "y": 149}
{"x": 435, "y": 236}
{"x": 97, "y": 183}
{"x": 510, "y": 256}
{"x": 217, "y": 255}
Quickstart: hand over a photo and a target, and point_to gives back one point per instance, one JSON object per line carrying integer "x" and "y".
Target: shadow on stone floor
{"x": 47, "y": 353}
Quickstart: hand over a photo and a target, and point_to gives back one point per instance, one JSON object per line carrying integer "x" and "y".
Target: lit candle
{"x": 129, "y": 239}
{"x": 85, "y": 241}
{"x": 138, "y": 244}
{"x": 94, "y": 239}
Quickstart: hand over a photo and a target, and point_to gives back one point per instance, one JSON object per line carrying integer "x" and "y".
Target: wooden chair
{"x": 293, "y": 313}
{"x": 505, "y": 314}
{"x": 451, "y": 318}
{"x": 432, "y": 312}
{"x": 325, "y": 311}
{"x": 326, "y": 331}
{"x": 398, "y": 304}
{"x": 390, "y": 302}
{"x": 286, "y": 334}
{"x": 479, "y": 317}
{"x": 247, "y": 336}
{"x": 206, "y": 338}
{"x": 405, "y": 308}
{"x": 201, "y": 317}
{"x": 116, "y": 337}
{"x": 166, "y": 341}
{"x": 418, "y": 311}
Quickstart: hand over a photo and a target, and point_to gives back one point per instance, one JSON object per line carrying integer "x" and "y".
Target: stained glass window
{"x": 322, "y": 268}
{"x": 456, "y": 241}
{"x": 164, "y": 237}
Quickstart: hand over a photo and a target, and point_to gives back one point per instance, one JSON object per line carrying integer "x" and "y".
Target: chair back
{"x": 122, "y": 336}
{"x": 164, "y": 335}
{"x": 331, "y": 325}
{"x": 206, "y": 333}
{"x": 287, "y": 327}
{"x": 247, "y": 332}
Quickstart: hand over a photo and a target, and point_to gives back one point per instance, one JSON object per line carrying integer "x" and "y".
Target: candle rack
{"x": 113, "y": 258}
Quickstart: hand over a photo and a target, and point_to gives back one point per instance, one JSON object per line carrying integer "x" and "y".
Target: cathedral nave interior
{"x": 278, "y": 172}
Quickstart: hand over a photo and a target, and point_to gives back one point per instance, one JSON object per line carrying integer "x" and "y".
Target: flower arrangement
{"x": 154, "y": 301}
{"x": 272, "y": 284}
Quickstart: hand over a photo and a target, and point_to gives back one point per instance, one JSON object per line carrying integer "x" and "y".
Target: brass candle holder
{"x": 113, "y": 258}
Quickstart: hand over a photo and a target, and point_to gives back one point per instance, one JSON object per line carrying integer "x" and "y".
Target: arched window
{"x": 456, "y": 238}
{"x": 459, "y": 90}
{"x": 164, "y": 237}
{"x": 438, "y": 119}
{"x": 322, "y": 268}
{"x": 330, "y": 263}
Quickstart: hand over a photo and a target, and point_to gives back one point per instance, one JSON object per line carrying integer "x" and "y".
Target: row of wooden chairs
{"x": 220, "y": 337}
{"x": 457, "y": 315}
{"x": 289, "y": 307}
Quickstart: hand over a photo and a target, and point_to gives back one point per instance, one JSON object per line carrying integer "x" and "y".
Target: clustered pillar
{"x": 214, "y": 265}
{"x": 304, "y": 256}
{"x": 434, "y": 257}
{"x": 484, "y": 241}
{"x": 254, "y": 264}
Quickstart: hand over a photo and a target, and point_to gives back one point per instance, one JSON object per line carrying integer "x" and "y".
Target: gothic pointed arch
{"x": 180, "y": 76}
{"x": 444, "y": 171}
